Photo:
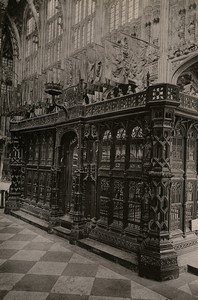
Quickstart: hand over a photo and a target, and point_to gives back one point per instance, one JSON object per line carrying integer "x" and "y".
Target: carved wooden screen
{"x": 50, "y": 150}
{"x": 35, "y": 187}
{"x": 36, "y": 152}
{"x": 48, "y": 189}
{"x": 68, "y": 178}
{"x": 41, "y": 187}
{"x": 118, "y": 197}
{"x": 38, "y": 169}
{"x": 29, "y": 181}
{"x": 31, "y": 152}
{"x": 74, "y": 176}
{"x": 43, "y": 151}
{"x": 134, "y": 205}
{"x": 191, "y": 152}
{"x": 177, "y": 166}
{"x": 104, "y": 200}
{"x": 176, "y": 205}
{"x": 136, "y": 148}
{"x": 106, "y": 149}
{"x": 190, "y": 198}
{"x": 178, "y": 150}
{"x": 191, "y": 188}
{"x": 120, "y": 148}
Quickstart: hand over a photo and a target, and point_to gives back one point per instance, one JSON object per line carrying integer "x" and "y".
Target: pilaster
{"x": 54, "y": 208}
{"x": 158, "y": 259}
{"x": 16, "y": 174}
{"x": 77, "y": 229}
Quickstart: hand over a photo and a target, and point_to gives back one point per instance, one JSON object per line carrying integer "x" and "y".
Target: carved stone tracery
{"x": 183, "y": 24}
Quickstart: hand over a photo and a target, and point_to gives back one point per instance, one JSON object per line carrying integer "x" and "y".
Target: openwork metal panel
{"x": 121, "y": 196}
{"x": 104, "y": 200}
{"x": 134, "y": 204}
{"x": 118, "y": 199}
{"x": 38, "y": 159}
{"x": 176, "y": 205}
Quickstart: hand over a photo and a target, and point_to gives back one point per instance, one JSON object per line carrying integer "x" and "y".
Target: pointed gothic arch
{"x": 188, "y": 62}
{"x": 16, "y": 41}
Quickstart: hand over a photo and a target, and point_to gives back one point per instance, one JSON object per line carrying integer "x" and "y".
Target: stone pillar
{"x": 158, "y": 259}
{"x": 16, "y": 174}
{"x": 163, "y": 42}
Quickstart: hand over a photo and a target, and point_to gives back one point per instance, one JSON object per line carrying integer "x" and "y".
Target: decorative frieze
{"x": 183, "y": 28}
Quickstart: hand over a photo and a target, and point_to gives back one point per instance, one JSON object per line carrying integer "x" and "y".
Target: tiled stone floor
{"x": 38, "y": 266}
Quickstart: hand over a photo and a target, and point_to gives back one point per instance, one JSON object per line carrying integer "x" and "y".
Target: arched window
{"x": 136, "y": 148}
{"x": 54, "y": 30}
{"x": 122, "y": 12}
{"x": 83, "y": 27}
{"x": 6, "y": 86}
{"x": 120, "y": 148}
{"x": 31, "y": 46}
{"x": 106, "y": 148}
{"x": 114, "y": 16}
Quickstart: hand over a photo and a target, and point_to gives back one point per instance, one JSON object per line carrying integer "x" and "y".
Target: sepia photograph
{"x": 98, "y": 149}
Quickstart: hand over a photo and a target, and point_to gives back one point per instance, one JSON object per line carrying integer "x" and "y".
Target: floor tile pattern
{"x": 38, "y": 266}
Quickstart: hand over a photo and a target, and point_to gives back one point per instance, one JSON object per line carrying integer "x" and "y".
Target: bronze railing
{"x": 188, "y": 102}
{"x": 116, "y": 104}
{"x": 155, "y": 93}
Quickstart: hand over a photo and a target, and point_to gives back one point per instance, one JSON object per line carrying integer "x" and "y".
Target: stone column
{"x": 16, "y": 175}
{"x": 158, "y": 259}
{"x": 163, "y": 41}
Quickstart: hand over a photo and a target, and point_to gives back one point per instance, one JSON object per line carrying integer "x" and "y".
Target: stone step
{"x": 185, "y": 245}
{"x": 189, "y": 262}
{"x": 35, "y": 211}
{"x": 62, "y": 231}
{"x": 29, "y": 218}
{"x": 193, "y": 269}
{"x": 127, "y": 260}
{"x": 42, "y": 224}
{"x": 66, "y": 221}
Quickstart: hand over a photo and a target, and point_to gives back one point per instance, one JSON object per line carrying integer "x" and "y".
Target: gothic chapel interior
{"x": 99, "y": 123}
